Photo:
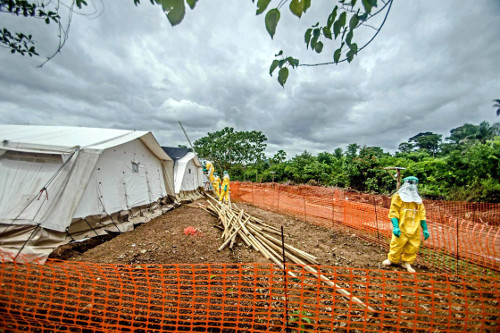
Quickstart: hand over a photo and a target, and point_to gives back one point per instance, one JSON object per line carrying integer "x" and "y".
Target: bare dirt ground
{"x": 163, "y": 241}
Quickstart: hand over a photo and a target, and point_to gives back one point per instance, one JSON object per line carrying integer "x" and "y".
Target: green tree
{"x": 227, "y": 146}
{"x": 338, "y": 153}
{"x": 352, "y": 150}
{"x": 343, "y": 19}
{"x": 486, "y": 132}
{"x": 468, "y": 172}
{"x": 462, "y": 133}
{"x": 279, "y": 157}
{"x": 496, "y": 105}
{"x": 295, "y": 170}
{"x": 405, "y": 147}
{"x": 428, "y": 141}
{"x": 469, "y": 133}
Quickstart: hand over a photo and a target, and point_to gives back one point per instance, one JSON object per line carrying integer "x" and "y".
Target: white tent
{"x": 188, "y": 173}
{"x": 63, "y": 183}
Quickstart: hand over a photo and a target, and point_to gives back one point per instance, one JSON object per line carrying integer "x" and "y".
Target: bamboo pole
{"x": 297, "y": 252}
{"x": 233, "y": 235}
{"x": 256, "y": 237}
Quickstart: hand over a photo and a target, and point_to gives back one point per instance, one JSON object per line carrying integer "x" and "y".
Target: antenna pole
{"x": 186, "y": 136}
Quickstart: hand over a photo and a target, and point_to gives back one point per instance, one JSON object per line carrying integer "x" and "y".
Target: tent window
{"x": 135, "y": 167}
{"x": 32, "y": 157}
{"x": 189, "y": 171}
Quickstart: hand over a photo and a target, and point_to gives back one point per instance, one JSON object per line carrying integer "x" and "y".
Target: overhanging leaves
{"x": 318, "y": 47}
{"x": 191, "y": 3}
{"x": 368, "y": 4}
{"x": 175, "y": 10}
{"x": 273, "y": 67}
{"x": 293, "y": 62}
{"x": 282, "y": 76}
{"x": 262, "y": 6}
{"x": 336, "y": 55}
{"x": 339, "y": 24}
{"x": 353, "y": 23}
{"x": 332, "y": 17}
{"x": 327, "y": 32}
{"x": 348, "y": 38}
{"x": 297, "y": 7}
{"x": 307, "y": 37}
{"x": 272, "y": 19}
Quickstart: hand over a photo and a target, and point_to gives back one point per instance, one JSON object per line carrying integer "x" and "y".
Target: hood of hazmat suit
{"x": 409, "y": 193}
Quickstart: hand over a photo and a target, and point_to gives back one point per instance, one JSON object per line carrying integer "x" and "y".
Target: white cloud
{"x": 433, "y": 67}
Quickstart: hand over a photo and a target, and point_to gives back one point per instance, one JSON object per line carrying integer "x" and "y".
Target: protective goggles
{"x": 411, "y": 181}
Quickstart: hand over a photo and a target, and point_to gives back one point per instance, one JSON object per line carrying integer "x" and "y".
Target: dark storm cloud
{"x": 433, "y": 67}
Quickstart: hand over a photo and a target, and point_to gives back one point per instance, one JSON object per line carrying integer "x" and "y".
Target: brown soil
{"x": 163, "y": 241}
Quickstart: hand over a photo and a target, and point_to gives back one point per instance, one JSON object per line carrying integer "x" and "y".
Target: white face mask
{"x": 409, "y": 193}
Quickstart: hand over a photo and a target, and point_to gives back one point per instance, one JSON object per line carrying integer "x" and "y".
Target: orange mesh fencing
{"x": 465, "y": 237}
{"x": 87, "y": 297}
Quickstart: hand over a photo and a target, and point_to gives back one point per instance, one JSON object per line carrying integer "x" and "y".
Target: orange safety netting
{"x": 465, "y": 237}
{"x": 87, "y": 297}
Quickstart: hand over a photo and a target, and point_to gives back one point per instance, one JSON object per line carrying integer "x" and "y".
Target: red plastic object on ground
{"x": 191, "y": 231}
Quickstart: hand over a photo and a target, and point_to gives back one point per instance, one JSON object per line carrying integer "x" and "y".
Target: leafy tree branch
{"x": 340, "y": 25}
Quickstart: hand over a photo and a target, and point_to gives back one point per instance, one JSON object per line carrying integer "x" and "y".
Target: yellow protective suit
{"x": 404, "y": 248}
{"x": 216, "y": 185}
{"x": 210, "y": 169}
{"x": 224, "y": 192}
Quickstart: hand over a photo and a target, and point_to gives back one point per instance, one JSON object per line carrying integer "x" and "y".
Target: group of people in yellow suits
{"x": 221, "y": 188}
{"x": 407, "y": 215}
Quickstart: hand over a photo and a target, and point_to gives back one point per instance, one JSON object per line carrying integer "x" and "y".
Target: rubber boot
{"x": 408, "y": 267}
{"x": 386, "y": 262}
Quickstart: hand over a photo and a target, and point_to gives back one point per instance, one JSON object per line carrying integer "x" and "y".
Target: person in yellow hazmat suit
{"x": 209, "y": 168}
{"x": 216, "y": 184}
{"x": 224, "y": 193}
{"x": 407, "y": 214}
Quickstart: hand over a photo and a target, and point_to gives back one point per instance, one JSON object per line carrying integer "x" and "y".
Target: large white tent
{"x": 188, "y": 173}
{"x": 59, "y": 184}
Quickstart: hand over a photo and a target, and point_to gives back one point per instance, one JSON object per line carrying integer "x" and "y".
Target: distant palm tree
{"x": 486, "y": 132}
{"x": 496, "y": 105}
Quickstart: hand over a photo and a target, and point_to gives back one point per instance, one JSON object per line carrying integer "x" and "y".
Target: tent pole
{"x": 90, "y": 226}
{"x": 29, "y": 238}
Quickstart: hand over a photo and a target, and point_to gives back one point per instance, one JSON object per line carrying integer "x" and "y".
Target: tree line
{"x": 464, "y": 166}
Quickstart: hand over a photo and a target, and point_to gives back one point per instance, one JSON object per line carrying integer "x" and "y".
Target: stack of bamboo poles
{"x": 257, "y": 234}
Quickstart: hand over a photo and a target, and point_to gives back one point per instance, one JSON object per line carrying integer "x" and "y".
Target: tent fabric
{"x": 53, "y": 175}
{"x": 186, "y": 174}
{"x": 114, "y": 186}
{"x": 176, "y": 153}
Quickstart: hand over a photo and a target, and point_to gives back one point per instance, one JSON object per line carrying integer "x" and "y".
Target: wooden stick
{"x": 332, "y": 284}
{"x": 292, "y": 249}
{"x": 233, "y": 235}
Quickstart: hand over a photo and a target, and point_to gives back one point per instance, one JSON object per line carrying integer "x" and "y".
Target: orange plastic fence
{"x": 465, "y": 237}
{"x": 86, "y": 297}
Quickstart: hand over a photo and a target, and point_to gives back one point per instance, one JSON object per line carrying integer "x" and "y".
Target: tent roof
{"x": 176, "y": 153}
{"x": 191, "y": 156}
{"x": 65, "y": 137}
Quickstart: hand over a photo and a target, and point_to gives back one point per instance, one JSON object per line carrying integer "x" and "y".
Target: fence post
{"x": 443, "y": 235}
{"x": 278, "y": 197}
{"x": 333, "y": 207}
{"x": 305, "y": 215}
{"x": 376, "y": 218}
{"x": 285, "y": 276}
{"x": 253, "y": 199}
{"x": 457, "y": 247}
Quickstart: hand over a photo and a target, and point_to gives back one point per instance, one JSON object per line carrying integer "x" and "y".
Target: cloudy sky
{"x": 434, "y": 66}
